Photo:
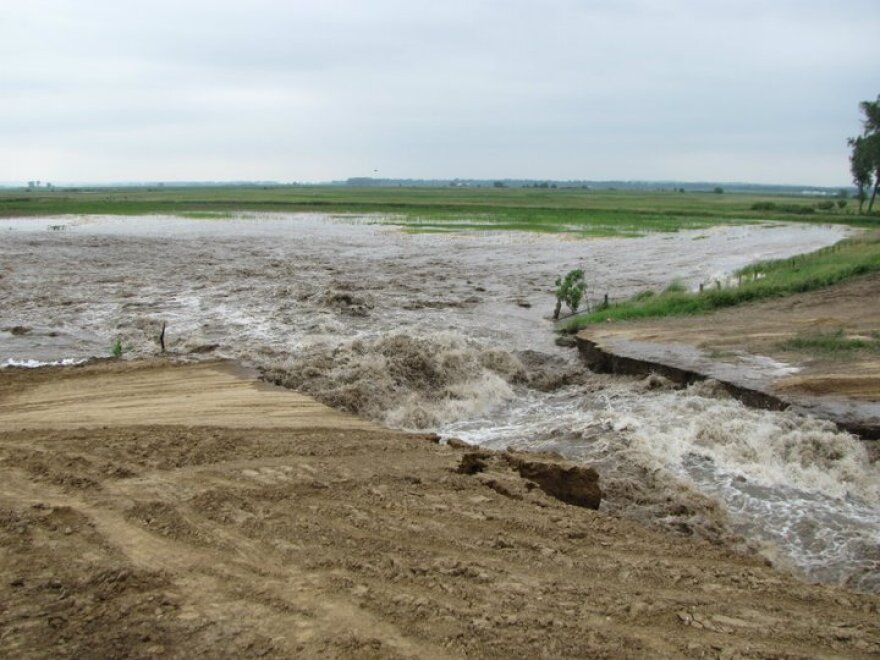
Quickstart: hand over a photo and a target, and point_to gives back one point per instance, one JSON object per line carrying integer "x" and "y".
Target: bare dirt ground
{"x": 147, "y": 392}
{"x": 762, "y": 328}
{"x": 148, "y": 509}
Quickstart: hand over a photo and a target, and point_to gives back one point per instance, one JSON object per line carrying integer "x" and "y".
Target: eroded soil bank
{"x": 335, "y": 538}
{"x": 753, "y": 349}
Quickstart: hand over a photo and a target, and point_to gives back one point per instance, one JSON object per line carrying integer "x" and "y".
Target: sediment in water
{"x": 285, "y": 292}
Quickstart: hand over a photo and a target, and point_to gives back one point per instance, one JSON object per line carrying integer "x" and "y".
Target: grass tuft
{"x": 831, "y": 342}
{"x": 675, "y": 286}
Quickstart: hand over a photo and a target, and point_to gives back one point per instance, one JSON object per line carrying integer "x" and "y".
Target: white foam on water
{"x": 773, "y": 449}
{"x": 793, "y": 481}
{"x": 33, "y": 364}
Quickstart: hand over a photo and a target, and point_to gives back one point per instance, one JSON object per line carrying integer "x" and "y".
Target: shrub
{"x": 570, "y": 290}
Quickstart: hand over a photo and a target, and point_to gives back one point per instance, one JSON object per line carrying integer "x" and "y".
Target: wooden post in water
{"x": 162, "y": 337}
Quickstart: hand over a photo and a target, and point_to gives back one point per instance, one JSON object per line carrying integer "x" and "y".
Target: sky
{"x": 685, "y": 90}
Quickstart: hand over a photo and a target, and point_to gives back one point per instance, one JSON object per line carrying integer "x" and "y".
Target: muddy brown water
{"x": 450, "y": 333}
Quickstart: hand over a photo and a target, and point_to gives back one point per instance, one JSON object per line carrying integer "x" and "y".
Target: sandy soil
{"x": 147, "y": 392}
{"x": 761, "y": 328}
{"x": 293, "y": 529}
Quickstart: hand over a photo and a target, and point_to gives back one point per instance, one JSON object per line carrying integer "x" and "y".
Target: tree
{"x": 570, "y": 290}
{"x": 860, "y": 168}
{"x": 864, "y": 159}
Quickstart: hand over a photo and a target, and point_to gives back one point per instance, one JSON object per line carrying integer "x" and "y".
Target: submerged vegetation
{"x": 575, "y": 211}
{"x": 765, "y": 279}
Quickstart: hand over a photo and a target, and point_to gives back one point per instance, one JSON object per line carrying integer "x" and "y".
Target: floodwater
{"x": 450, "y": 333}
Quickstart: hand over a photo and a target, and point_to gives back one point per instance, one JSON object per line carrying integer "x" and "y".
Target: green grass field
{"x": 759, "y": 281}
{"x": 564, "y": 210}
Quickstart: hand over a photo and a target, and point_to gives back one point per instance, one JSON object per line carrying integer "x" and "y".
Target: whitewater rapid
{"x": 450, "y": 333}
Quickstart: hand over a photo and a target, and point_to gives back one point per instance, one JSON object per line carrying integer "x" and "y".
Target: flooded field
{"x": 451, "y": 333}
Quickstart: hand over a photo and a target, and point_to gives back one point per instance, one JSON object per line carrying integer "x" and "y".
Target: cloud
{"x": 752, "y": 91}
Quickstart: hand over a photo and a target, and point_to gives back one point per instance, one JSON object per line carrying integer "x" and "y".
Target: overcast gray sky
{"x": 761, "y": 91}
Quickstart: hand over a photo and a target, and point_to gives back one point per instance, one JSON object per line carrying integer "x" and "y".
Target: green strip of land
{"x": 767, "y": 279}
{"x": 836, "y": 343}
{"x": 436, "y": 210}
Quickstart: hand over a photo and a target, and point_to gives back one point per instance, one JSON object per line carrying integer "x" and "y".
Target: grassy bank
{"x": 837, "y": 343}
{"x": 565, "y": 210}
{"x": 766, "y": 279}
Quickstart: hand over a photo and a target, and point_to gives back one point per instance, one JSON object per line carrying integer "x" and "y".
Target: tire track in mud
{"x": 217, "y": 575}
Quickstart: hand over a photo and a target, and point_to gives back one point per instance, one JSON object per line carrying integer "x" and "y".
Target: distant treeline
{"x": 672, "y": 186}
{"x": 370, "y": 182}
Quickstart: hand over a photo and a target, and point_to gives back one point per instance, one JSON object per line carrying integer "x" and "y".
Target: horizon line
{"x": 413, "y": 180}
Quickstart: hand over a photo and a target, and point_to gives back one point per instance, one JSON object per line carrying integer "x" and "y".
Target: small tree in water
{"x": 570, "y": 290}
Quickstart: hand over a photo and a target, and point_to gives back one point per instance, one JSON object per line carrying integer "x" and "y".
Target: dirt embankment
{"x": 749, "y": 347}
{"x": 149, "y": 509}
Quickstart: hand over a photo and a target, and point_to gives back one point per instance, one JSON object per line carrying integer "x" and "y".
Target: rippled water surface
{"x": 451, "y": 333}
